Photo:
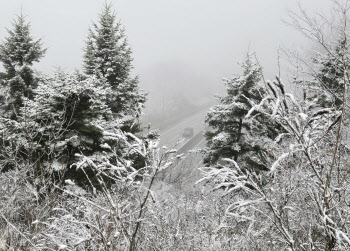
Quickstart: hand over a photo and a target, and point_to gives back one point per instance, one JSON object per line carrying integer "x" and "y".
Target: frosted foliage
{"x": 301, "y": 202}
{"x": 108, "y": 57}
{"x": 116, "y": 217}
{"x": 18, "y": 52}
{"x": 232, "y": 134}
{"x": 52, "y": 125}
{"x": 20, "y": 49}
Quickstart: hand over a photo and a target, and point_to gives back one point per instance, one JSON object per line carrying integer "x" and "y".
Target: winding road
{"x": 185, "y": 171}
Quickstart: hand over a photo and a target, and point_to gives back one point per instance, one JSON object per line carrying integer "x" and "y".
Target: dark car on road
{"x": 188, "y": 132}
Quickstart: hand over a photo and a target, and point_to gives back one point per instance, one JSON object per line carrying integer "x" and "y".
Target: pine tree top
{"x": 20, "y": 48}
{"x": 107, "y": 52}
{"x": 231, "y": 134}
{"x": 240, "y": 89}
{"x": 328, "y": 79}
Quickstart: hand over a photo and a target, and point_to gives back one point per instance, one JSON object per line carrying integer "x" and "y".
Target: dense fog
{"x": 111, "y": 137}
{"x": 182, "y": 49}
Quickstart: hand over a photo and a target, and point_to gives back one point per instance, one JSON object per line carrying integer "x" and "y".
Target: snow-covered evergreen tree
{"x": 63, "y": 119}
{"x": 108, "y": 56}
{"x": 18, "y": 53}
{"x": 233, "y": 136}
{"x": 89, "y": 60}
{"x": 327, "y": 84}
{"x": 68, "y": 117}
{"x": 300, "y": 204}
{"x": 51, "y": 124}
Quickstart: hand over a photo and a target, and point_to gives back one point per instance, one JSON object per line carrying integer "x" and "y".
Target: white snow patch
{"x": 280, "y": 158}
{"x": 69, "y": 182}
{"x": 303, "y": 116}
{"x": 106, "y": 146}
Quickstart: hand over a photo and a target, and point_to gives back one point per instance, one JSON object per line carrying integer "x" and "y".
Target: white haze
{"x": 181, "y": 48}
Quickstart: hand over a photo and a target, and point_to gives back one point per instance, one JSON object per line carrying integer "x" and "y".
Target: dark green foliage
{"x": 108, "y": 56}
{"x": 18, "y": 53}
{"x": 107, "y": 52}
{"x": 61, "y": 121}
{"x": 328, "y": 80}
{"x": 57, "y": 122}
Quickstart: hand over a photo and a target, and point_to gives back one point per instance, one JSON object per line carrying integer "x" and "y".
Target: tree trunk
{"x": 239, "y": 136}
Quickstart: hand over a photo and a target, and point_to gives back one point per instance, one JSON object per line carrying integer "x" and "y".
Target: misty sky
{"x": 177, "y": 44}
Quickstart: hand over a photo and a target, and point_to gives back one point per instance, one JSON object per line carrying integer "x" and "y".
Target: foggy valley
{"x": 174, "y": 125}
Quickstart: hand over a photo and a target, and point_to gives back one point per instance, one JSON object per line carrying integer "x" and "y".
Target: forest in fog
{"x": 82, "y": 169}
